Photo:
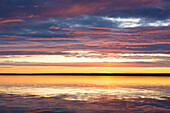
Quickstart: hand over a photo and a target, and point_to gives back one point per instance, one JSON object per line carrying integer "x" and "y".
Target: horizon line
{"x": 87, "y": 74}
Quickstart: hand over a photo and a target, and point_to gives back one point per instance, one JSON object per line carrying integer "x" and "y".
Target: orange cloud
{"x": 11, "y": 20}
{"x": 54, "y": 27}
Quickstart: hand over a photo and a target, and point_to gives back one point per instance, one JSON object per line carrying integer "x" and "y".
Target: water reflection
{"x": 103, "y": 93}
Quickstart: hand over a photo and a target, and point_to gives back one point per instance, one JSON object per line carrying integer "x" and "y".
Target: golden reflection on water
{"x": 85, "y": 92}
{"x": 93, "y": 80}
{"x": 86, "y": 87}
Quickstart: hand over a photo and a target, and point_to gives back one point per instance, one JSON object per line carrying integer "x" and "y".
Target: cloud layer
{"x": 103, "y": 28}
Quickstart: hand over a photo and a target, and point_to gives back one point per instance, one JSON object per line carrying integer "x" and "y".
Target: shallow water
{"x": 91, "y": 94}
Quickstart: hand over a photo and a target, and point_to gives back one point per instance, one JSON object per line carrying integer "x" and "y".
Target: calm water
{"x": 84, "y": 94}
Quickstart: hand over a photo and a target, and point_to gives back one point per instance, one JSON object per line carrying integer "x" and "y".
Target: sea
{"x": 84, "y": 94}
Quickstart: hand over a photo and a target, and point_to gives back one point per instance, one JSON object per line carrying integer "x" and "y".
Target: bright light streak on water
{"x": 87, "y": 90}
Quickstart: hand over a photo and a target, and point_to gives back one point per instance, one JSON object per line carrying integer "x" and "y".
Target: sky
{"x": 84, "y": 36}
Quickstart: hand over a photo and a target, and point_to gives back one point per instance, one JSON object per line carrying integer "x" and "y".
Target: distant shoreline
{"x": 86, "y": 74}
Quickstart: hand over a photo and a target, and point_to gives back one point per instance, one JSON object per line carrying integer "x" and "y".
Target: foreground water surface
{"x": 84, "y": 94}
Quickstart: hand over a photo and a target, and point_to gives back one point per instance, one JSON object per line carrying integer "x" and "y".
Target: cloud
{"x": 37, "y": 37}
{"x": 127, "y": 64}
{"x": 69, "y": 8}
{"x": 11, "y": 20}
{"x": 136, "y": 22}
{"x": 102, "y": 27}
{"x": 53, "y": 27}
{"x": 87, "y": 59}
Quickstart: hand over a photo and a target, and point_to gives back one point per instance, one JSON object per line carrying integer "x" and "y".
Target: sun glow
{"x": 68, "y": 59}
